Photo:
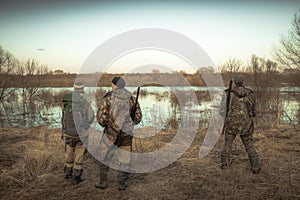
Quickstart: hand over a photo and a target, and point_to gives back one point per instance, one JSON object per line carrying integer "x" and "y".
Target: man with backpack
{"x": 239, "y": 114}
{"x": 119, "y": 111}
{"x": 77, "y": 116}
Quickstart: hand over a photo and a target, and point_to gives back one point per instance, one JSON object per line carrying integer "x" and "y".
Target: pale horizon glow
{"x": 153, "y": 59}
{"x": 62, "y": 35}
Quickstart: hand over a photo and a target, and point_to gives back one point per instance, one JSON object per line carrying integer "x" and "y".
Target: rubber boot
{"x": 77, "y": 177}
{"x": 224, "y": 161}
{"x": 254, "y": 164}
{"x": 103, "y": 177}
{"x": 122, "y": 177}
{"x": 68, "y": 172}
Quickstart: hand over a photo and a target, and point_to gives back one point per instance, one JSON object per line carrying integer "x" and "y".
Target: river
{"x": 162, "y": 107}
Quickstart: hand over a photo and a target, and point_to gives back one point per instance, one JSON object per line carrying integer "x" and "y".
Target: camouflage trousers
{"x": 123, "y": 155}
{"x": 74, "y": 156}
{"x": 108, "y": 152}
{"x": 247, "y": 141}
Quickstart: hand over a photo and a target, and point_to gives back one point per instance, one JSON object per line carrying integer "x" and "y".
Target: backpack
{"x": 73, "y": 120}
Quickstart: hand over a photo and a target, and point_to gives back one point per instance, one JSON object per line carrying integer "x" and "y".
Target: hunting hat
{"x": 119, "y": 82}
{"x": 78, "y": 86}
{"x": 238, "y": 80}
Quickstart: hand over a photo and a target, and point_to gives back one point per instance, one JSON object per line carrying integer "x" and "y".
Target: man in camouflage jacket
{"x": 239, "y": 121}
{"x": 116, "y": 115}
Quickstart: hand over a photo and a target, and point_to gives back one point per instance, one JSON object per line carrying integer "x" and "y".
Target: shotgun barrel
{"x": 136, "y": 103}
{"x": 227, "y": 104}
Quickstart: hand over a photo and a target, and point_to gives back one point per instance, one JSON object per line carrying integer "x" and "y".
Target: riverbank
{"x": 144, "y": 79}
{"x": 32, "y": 168}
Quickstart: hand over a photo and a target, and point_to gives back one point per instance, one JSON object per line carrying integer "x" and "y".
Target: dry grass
{"x": 32, "y": 165}
{"x": 27, "y": 155}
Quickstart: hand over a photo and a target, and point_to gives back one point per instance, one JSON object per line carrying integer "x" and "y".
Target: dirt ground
{"x": 32, "y": 168}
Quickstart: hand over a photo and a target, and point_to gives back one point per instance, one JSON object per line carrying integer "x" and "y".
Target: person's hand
{"x": 62, "y": 135}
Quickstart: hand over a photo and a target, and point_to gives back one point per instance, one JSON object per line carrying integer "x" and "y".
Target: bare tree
{"x": 29, "y": 79}
{"x": 7, "y": 65}
{"x": 265, "y": 86}
{"x": 289, "y": 51}
{"x": 288, "y": 54}
{"x": 155, "y": 71}
{"x": 270, "y": 68}
{"x": 232, "y": 66}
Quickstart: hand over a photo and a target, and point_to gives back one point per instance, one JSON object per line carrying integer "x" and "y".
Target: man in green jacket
{"x": 77, "y": 115}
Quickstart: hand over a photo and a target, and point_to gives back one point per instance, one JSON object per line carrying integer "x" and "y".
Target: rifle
{"x": 136, "y": 103}
{"x": 227, "y": 105}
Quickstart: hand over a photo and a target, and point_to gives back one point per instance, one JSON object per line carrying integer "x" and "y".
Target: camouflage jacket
{"x": 116, "y": 112}
{"x": 241, "y": 110}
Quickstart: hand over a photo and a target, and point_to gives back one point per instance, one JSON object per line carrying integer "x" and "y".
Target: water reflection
{"x": 160, "y": 106}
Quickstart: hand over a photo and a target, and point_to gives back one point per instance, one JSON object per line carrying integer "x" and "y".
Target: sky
{"x": 62, "y": 34}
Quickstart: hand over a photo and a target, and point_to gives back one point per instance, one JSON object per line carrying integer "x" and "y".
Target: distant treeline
{"x": 164, "y": 79}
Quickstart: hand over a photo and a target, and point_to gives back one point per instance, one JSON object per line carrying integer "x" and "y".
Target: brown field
{"x": 32, "y": 168}
{"x": 148, "y": 79}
